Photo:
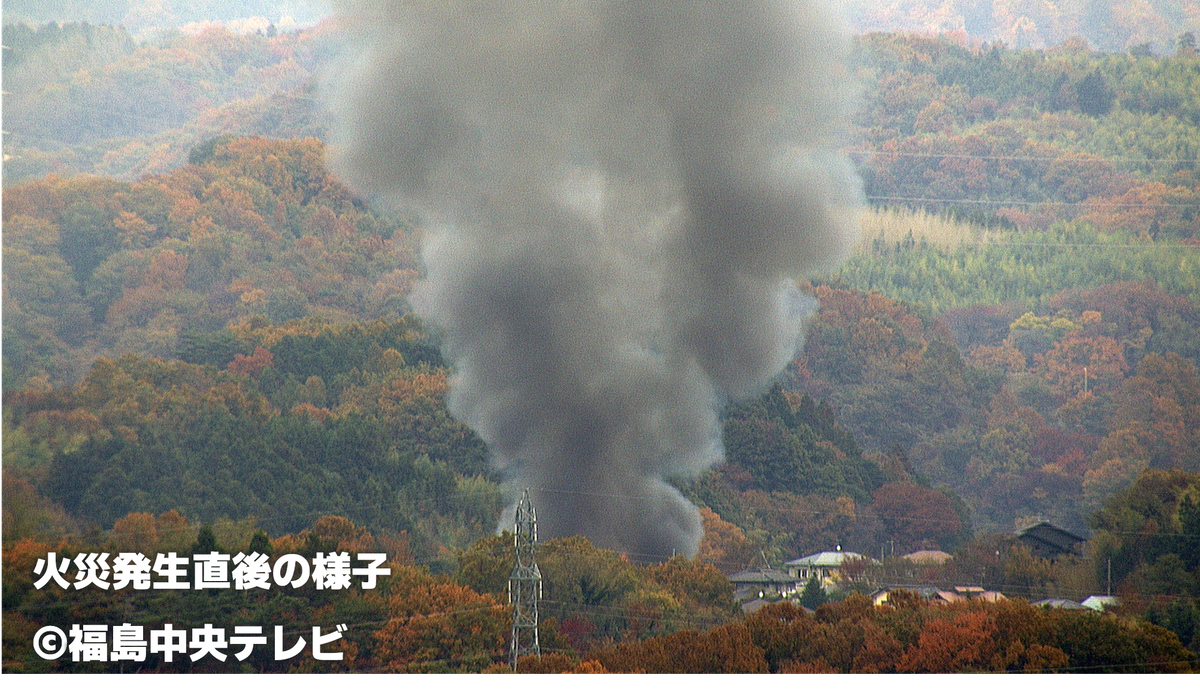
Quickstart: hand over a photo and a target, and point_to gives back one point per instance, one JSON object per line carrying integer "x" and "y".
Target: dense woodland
{"x": 208, "y": 346}
{"x": 1109, "y": 25}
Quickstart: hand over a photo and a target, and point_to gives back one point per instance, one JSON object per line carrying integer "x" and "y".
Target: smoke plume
{"x": 617, "y": 196}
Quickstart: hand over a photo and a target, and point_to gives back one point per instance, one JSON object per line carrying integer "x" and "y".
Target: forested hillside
{"x": 1108, "y": 25}
{"x": 254, "y": 263}
{"x": 90, "y": 99}
{"x": 208, "y": 346}
{"x": 1032, "y": 137}
{"x": 100, "y": 267}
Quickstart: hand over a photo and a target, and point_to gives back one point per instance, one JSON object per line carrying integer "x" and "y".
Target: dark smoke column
{"x": 618, "y": 196}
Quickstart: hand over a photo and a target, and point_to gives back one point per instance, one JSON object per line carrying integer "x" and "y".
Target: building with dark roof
{"x": 763, "y": 583}
{"x": 1050, "y": 542}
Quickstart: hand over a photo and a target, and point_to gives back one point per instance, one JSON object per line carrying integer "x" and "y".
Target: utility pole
{"x": 525, "y": 584}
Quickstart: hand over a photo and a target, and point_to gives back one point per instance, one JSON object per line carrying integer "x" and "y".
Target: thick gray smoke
{"x": 618, "y": 195}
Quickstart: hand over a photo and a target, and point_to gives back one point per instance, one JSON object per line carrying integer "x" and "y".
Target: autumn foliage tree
{"x": 916, "y": 516}
{"x": 435, "y": 624}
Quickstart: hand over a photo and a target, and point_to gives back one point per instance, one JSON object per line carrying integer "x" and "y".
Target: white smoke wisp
{"x": 618, "y": 196}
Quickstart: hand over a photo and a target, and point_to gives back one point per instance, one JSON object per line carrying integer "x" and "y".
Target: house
{"x": 821, "y": 565}
{"x": 753, "y": 605}
{"x": 1100, "y": 603}
{"x": 1060, "y": 603}
{"x": 1049, "y": 542}
{"x": 933, "y": 593}
{"x": 763, "y": 583}
{"x": 928, "y": 557}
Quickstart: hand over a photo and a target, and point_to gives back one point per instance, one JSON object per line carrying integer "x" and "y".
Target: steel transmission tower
{"x": 525, "y": 584}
